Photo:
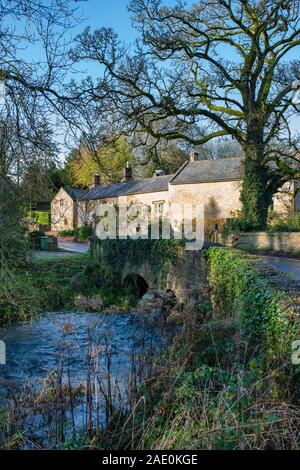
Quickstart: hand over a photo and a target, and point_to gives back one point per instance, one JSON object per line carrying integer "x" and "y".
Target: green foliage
{"x": 287, "y": 223}
{"x": 109, "y": 161}
{"x": 93, "y": 274}
{"x": 116, "y": 253}
{"x": 60, "y": 280}
{"x": 54, "y": 284}
{"x": 35, "y": 234}
{"x": 210, "y": 394}
{"x": 13, "y": 244}
{"x": 240, "y": 291}
{"x": 41, "y": 180}
{"x": 255, "y": 195}
{"x": 19, "y": 300}
{"x": 34, "y": 239}
{"x": 233, "y": 226}
{"x": 39, "y": 217}
{"x": 81, "y": 234}
{"x": 276, "y": 223}
{"x": 217, "y": 409}
{"x": 66, "y": 233}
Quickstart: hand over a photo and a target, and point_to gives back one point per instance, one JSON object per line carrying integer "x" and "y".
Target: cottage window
{"x": 158, "y": 207}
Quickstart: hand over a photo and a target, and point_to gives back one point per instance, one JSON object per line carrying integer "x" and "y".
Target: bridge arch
{"x": 136, "y": 282}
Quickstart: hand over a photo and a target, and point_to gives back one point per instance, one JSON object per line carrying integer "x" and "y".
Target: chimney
{"x": 194, "y": 156}
{"x": 127, "y": 173}
{"x": 96, "y": 180}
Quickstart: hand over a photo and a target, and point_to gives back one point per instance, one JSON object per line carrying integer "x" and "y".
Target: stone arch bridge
{"x": 181, "y": 273}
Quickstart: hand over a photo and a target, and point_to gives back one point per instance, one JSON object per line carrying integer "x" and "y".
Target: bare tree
{"x": 34, "y": 63}
{"x": 34, "y": 101}
{"x": 199, "y": 73}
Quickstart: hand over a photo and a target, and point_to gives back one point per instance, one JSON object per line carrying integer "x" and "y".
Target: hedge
{"x": 242, "y": 290}
{"x": 81, "y": 234}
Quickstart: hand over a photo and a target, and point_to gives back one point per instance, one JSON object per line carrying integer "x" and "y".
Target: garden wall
{"x": 277, "y": 242}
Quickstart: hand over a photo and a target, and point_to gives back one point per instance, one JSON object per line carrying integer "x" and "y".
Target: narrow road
{"x": 285, "y": 265}
{"x": 73, "y": 246}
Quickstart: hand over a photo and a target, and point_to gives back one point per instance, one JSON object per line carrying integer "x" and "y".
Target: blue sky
{"x": 109, "y": 13}
{"x": 114, "y": 13}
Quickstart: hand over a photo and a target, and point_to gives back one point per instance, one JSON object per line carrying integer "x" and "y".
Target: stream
{"x": 71, "y": 348}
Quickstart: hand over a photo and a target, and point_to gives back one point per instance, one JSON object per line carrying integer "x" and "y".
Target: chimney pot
{"x": 194, "y": 156}
{"x": 127, "y": 173}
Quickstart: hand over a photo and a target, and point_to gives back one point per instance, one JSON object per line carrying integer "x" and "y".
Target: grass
{"x": 54, "y": 283}
{"x": 210, "y": 394}
{"x": 214, "y": 388}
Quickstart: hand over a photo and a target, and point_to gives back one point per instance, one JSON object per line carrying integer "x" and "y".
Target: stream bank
{"x": 225, "y": 380}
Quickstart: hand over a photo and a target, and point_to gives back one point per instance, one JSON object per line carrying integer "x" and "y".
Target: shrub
{"x": 288, "y": 223}
{"x": 39, "y": 217}
{"x": 93, "y": 274}
{"x": 233, "y": 226}
{"x": 241, "y": 291}
{"x": 83, "y": 233}
{"x": 66, "y": 233}
{"x": 19, "y": 300}
{"x": 34, "y": 239}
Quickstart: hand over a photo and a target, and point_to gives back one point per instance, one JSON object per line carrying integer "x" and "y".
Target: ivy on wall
{"x": 117, "y": 253}
{"x": 241, "y": 290}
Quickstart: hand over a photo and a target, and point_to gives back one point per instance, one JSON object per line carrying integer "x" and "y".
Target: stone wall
{"x": 278, "y": 242}
{"x": 87, "y": 209}
{"x": 220, "y": 199}
{"x": 186, "y": 275}
{"x": 178, "y": 270}
{"x": 284, "y": 200}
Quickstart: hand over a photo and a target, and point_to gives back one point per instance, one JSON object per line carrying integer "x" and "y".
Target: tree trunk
{"x": 255, "y": 196}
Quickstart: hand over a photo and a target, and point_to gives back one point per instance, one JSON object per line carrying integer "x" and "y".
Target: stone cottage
{"x": 214, "y": 183}
{"x": 64, "y": 209}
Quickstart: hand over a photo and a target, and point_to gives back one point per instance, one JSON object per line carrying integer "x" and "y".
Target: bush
{"x": 34, "y": 239}
{"x": 241, "y": 291}
{"x": 58, "y": 281}
{"x": 233, "y": 226}
{"x": 94, "y": 274}
{"x": 288, "y": 223}
{"x": 66, "y": 233}
{"x": 83, "y": 233}
{"x": 39, "y": 217}
{"x": 19, "y": 300}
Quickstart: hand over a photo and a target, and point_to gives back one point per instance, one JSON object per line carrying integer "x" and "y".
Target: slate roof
{"x": 148, "y": 185}
{"x": 75, "y": 194}
{"x": 201, "y": 171}
{"x": 207, "y": 171}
